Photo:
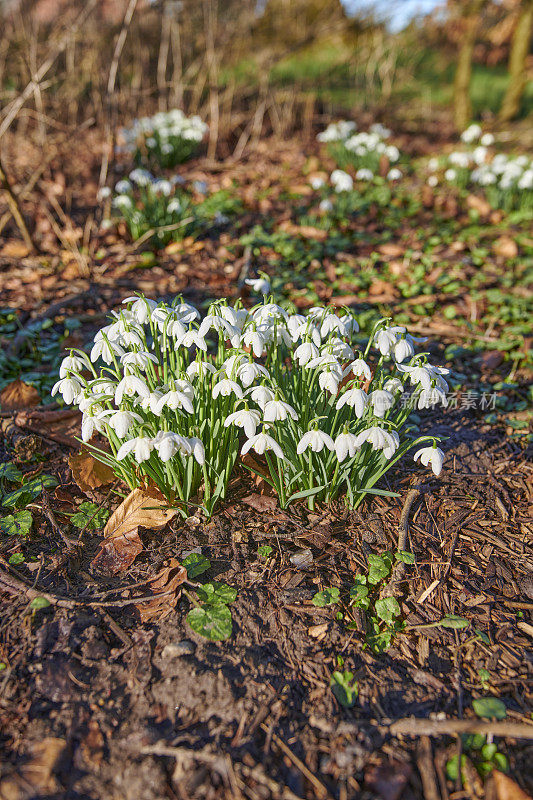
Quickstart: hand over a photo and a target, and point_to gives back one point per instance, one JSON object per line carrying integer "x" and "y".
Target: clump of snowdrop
{"x": 361, "y": 151}
{"x": 160, "y": 210}
{"x": 181, "y": 399}
{"x": 167, "y": 138}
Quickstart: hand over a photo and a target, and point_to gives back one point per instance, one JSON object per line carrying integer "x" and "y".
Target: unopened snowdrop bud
{"x": 141, "y": 447}
{"x": 345, "y": 445}
{"x": 225, "y": 387}
{"x": 430, "y": 455}
{"x": 276, "y": 410}
{"x": 198, "y": 449}
{"x": 260, "y": 443}
{"x": 316, "y": 441}
{"x": 246, "y": 419}
{"x": 69, "y": 388}
{"x": 356, "y": 399}
{"x": 382, "y": 401}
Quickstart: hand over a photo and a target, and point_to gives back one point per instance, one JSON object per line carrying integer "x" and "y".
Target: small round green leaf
{"x": 489, "y": 708}
{"x": 212, "y": 621}
{"x": 39, "y": 602}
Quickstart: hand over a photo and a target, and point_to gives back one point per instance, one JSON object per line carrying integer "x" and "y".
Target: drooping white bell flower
{"x": 305, "y": 352}
{"x": 69, "y": 388}
{"x": 199, "y": 369}
{"x": 345, "y": 445}
{"x": 106, "y": 349}
{"x": 225, "y": 387}
{"x": 260, "y": 443}
{"x": 316, "y": 441}
{"x": 140, "y": 360}
{"x": 403, "y": 349}
{"x": 430, "y": 455}
{"x": 276, "y": 410}
{"x": 259, "y": 285}
{"x": 142, "y": 308}
{"x": 129, "y": 386}
{"x": 248, "y": 372}
{"x": 356, "y": 399}
{"x": 261, "y": 395}
{"x": 380, "y": 439}
{"x": 382, "y": 401}
{"x": 121, "y": 421}
{"x": 430, "y": 397}
{"x": 168, "y": 444}
{"x": 174, "y": 399}
{"x": 74, "y": 363}
{"x": 246, "y": 419}
{"x": 359, "y": 368}
{"x": 198, "y": 449}
{"x": 386, "y": 338}
{"x": 140, "y": 446}
{"x": 329, "y": 380}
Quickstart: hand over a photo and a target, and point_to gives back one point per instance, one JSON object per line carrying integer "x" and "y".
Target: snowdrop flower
{"x": 394, "y": 174}
{"x": 141, "y": 177}
{"x": 129, "y": 386}
{"x": 123, "y": 202}
{"x": 418, "y": 374}
{"x": 89, "y": 425}
{"x": 459, "y": 159}
{"x": 382, "y": 401}
{"x": 140, "y": 446}
{"x": 386, "y": 339}
{"x": 103, "y": 193}
{"x": 141, "y": 309}
{"x": 74, "y": 363}
{"x": 316, "y": 182}
{"x": 403, "y": 349}
{"x": 337, "y": 131}
{"x": 433, "y": 181}
{"x": 356, "y": 399}
{"x": 487, "y": 139}
{"x": 471, "y": 134}
{"x": 450, "y": 175}
{"x": 140, "y": 360}
{"x": 260, "y": 443}
{"x": 259, "y": 285}
{"x": 121, "y": 421}
{"x": 316, "y": 441}
{"x": 364, "y": 174}
{"x": 430, "y": 397}
{"x": 430, "y": 455}
{"x": 174, "y": 205}
{"x": 380, "y": 439}
{"x": 168, "y": 444}
{"x": 256, "y": 340}
{"x": 341, "y": 181}
{"x": 225, "y": 387}
{"x": 106, "y": 350}
{"x": 122, "y": 187}
{"x": 480, "y": 154}
{"x": 162, "y": 186}
{"x": 275, "y": 410}
{"x": 246, "y": 419}
{"x": 150, "y": 403}
{"x": 325, "y": 205}
{"x": 329, "y": 381}
{"x": 69, "y": 388}
{"x": 199, "y": 368}
{"x": 198, "y": 449}
{"x": 261, "y": 395}
{"x": 248, "y": 372}
{"x": 345, "y": 445}
{"x": 393, "y": 385}
{"x": 359, "y": 368}
{"x": 174, "y": 399}
{"x": 193, "y": 338}
{"x": 305, "y": 352}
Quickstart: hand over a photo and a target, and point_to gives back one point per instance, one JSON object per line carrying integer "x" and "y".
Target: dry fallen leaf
{"x": 391, "y": 249}
{"x": 34, "y": 778}
{"x": 18, "y": 395}
{"x": 505, "y": 247}
{"x": 118, "y": 553}
{"x": 478, "y": 204}
{"x": 506, "y": 788}
{"x": 388, "y": 779}
{"x": 140, "y": 509}
{"x": 260, "y": 502}
{"x": 167, "y": 592}
{"x": 88, "y": 472}
{"x": 14, "y": 249}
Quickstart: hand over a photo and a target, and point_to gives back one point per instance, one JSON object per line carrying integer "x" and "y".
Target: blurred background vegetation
{"x": 275, "y": 66}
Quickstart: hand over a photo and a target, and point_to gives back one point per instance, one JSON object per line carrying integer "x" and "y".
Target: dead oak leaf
{"x": 506, "y": 788}
{"x": 17, "y": 395}
{"x": 505, "y": 247}
{"x": 88, "y": 472}
{"x": 118, "y": 553}
{"x": 260, "y": 502}
{"x": 166, "y": 586}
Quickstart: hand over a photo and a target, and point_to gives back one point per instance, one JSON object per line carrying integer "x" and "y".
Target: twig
{"x": 415, "y": 726}
{"x": 49, "y": 514}
{"x": 320, "y": 789}
{"x": 398, "y": 570}
{"x": 426, "y": 769}
{"x": 16, "y": 212}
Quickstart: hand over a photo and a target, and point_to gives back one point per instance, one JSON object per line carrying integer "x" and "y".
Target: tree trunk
{"x": 463, "y": 73}
{"x": 517, "y": 62}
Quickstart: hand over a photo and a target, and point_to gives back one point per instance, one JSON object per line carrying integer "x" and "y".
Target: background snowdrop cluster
{"x": 506, "y": 180}
{"x": 163, "y": 210}
{"x": 168, "y": 138}
{"x": 362, "y": 151}
{"x": 180, "y": 398}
